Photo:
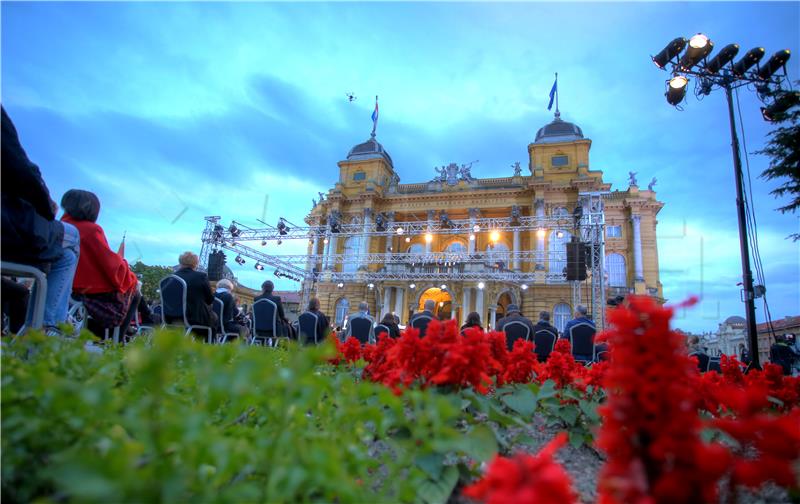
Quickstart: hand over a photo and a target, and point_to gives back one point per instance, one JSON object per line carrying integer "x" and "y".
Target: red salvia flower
{"x": 521, "y": 364}
{"x": 525, "y": 479}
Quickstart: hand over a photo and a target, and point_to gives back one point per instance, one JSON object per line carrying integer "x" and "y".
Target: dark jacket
{"x": 545, "y": 326}
{"x": 423, "y": 327}
{"x": 394, "y": 329}
{"x": 514, "y": 317}
{"x": 573, "y": 322}
{"x": 198, "y": 296}
{"x": 323, "y": 325}
{"x": 229, "y": 311}
{"x": 277, "y": 301}
{"x": 30, "y": 233}
{"x": 467, "y": 326}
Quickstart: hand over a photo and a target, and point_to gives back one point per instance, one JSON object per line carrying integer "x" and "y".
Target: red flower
{"x": 351, "y": 349}
{"x": 521, "y": 364}
{"x": 525, "y": 479}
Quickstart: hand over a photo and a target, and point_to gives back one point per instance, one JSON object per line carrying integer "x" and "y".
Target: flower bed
{"x": 448, "y": 416}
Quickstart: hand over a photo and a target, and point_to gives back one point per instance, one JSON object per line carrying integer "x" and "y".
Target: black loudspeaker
{"x": 216, "y": 265}
{"x": 576, "y": 261}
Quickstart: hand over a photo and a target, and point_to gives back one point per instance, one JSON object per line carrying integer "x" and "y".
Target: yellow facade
{"x": 558, "y": 171}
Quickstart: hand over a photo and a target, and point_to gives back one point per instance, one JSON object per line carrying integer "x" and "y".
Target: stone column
{"x": 331, "y": 252}
{"x": 516, "y": 250}
{"x": 479, "y": 305}
{"x": 387, "y": 296}
{"x": 453, "y": 310}
{"x": 466, "y": 303}
{"x": 398, "y": 305}
{"x": 473, "y": 215}
{"x": 389, "y": 234}
{"x": 637, "y": 248}
{"x": 365, "y": 238}
{"x": 492, "y": 317}
{"x": 312, "y": 257}
{"x": 540, "y": 239}
{"x": 326, "y": 250}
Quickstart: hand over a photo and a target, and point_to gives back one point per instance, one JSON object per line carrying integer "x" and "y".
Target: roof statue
{"x": 652, "y": 184}
{"x": 452, "y": 173}
{"x": 632, "y": 178}
{"x": 321, "y": 197}
{"x": 517, "y": 169}
{"x": 313, "y": 203}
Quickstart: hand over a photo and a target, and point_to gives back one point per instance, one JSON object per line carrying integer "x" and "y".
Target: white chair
{"x": 38, "y": 294}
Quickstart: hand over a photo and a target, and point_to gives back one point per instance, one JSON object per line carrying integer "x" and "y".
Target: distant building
{"x": 730, "y": 338}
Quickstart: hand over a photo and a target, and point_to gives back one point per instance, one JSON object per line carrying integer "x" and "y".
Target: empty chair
{"x": 265, "y": 322}
{"x": 173, "y": 303}
{"x": 544, "y": 342}
{"x": 516, "y": 329}
{"x": 581, "y": 338}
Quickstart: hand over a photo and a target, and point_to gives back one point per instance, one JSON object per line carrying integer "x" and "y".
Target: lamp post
{"x": 720, "y": 72}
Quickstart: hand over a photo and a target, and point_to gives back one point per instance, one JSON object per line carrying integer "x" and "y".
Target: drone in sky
{"x": 351, "y": 97}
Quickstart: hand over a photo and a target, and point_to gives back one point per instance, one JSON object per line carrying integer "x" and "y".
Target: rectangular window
{"x": 359, "y": 175}
{"x": 560, "y": 160}
{"x": 613, "y": 231}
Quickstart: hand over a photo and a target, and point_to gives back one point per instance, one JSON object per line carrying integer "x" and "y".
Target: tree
{"x": 150, "y": 276}
{"x": 784, "y": 150}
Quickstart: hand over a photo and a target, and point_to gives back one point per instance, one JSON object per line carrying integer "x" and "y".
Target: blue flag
{"x": 553, "y": 94}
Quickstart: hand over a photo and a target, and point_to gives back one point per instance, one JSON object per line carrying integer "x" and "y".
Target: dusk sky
{"x": 174, "y": 111}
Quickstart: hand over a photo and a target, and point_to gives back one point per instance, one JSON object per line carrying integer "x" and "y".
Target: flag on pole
{"x": 121, "y": 249}
{"x": 375, "y": 116}
{"x": 553, "y": 92}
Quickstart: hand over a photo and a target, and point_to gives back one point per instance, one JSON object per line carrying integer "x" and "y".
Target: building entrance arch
{"x": 442, "y": 299}
{"x": 503, "y": 300}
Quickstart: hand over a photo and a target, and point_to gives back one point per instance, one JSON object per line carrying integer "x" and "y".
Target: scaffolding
{"x": 391, "y": 265}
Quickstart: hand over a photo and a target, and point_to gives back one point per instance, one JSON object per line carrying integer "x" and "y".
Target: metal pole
{"x": 747, "y": 275}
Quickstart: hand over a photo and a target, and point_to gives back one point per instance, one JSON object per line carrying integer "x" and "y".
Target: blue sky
{"x": 174, "y": 111}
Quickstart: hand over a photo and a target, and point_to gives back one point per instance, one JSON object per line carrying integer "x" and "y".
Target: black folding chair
{"x": 421, "y": 322}
{"x": 307, "y": 328}
{"x": 515, "y": 330}
{"x": 714, "y": 364}
{"x": 544, "y": 342}
{"x": 702, "y": 361}
{"x": 381, "y": 329}
{"x": 38, "y": 295}
{"x": 222, "y": 334}
{"x": 581, "y": 338}
{"x": 265, "y": 323}
{"x": 361, "y": 329}
{"x": 173, "y": 304}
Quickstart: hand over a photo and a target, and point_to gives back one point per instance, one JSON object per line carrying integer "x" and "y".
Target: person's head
{"x": 81, "y": 205}
{"x": 474, "y": 319}
{"x": 581, "y": 311}
{"x": 429, "y": 305}
{"x": 396, "y": 318}
{"x": 267, "y": 287}
{"x": 544, "y": 316}
{"x": 225, "y": 284}
{"x": 388, "y": 319}
{"x": 139, "y": 286}
{"x": 694, "y": 340}
{"x": 188, "y": 260}
{"x": 313, "y": 304}
{"x": 512, "y": 309}
{"x": 363, "y": 307}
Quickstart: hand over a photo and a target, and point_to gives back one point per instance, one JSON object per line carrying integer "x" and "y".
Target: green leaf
{"x": 576, "y": 438}
{"x": 439, "y": 490}
{"x": 589, "y": 408}
{"x": 568, "y": 413}
{"x": 480, "y": 443}
{"x": 432, "y": 464}
{"x": 547, "y": 390}
{"x": 523, "y": 401}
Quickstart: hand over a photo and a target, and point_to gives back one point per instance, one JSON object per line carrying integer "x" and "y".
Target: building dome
{"x": 370, "y": 149}
{"x": 558, "y": 131}
{"x": 735, "y": 320}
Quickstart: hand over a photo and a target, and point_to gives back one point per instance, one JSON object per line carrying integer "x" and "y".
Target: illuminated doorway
{"x": 444, "y": 303}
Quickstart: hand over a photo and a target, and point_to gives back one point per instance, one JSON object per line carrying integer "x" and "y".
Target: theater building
{"x": 481, "y": 244}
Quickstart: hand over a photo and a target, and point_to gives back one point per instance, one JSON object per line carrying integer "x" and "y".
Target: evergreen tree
{"x": 150, "y": 276}
{"x": 784, "y": 150}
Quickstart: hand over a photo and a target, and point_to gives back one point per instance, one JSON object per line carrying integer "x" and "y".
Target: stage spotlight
{"x": 559, "y": 234}
{"x": 412, "y": 286}
{"x": 722, "y": 58}
{"x": 408, "y": 239}
{"x": 371, "y": 286}
{"x": 280, "y": 241}
{"x": 472, "y": 237}
{"x": 283, "y": 229}
{"x": 673, "y": 49}
{"x": 541, "y": 233}
{"x": 340, "y": 285}
{"x": 443, "y": 287}
{"x": 481, "y": 285}
{"x": 259, "y": 266}
{"x": 775, "y": 63}
{"x": 263, "y": 243}
{"x": 524, "y": 286}
{"x": 428, "y": 237}
{"x": 676, "y": 89}
{"x": 476, "y": 228}
{"x": 325, "y": 241}
{"x": 779, "y": 106}
{"x": 494, "y": 236}
{"x": 234, "y": 231}
{"x": 380, "y": 223}
{"x": 400, "y": 230}
{"x": 699, "y": 47}
{"x": 752, "y": 57}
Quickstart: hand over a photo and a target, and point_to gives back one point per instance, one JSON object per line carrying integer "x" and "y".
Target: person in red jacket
{"x": 103, "y": 280}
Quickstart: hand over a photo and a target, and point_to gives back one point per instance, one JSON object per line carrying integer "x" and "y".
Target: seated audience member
{"x": 473, "y": 320}
{"x": 229, "y": 309}
{"x": 103, "y": 280}
{"x": 583, "y": 349}
{"x": 361, "y": 325}
{"x": 267, "y": 289}
{"x": 421, "y": 319}
{"x": 30, "y": 233}
{"x": 156, "y": 310}
{"x": 323, "y": 325}
{"x": 544, "y": 324}
{"x": 515, "y": 331}
{"x": 389, "y": 321}
{"x": 544, "y": 336}
{"x": 581, "y": 317}
{"x": 145, "y": 314}
{"x": 198, "y": 293}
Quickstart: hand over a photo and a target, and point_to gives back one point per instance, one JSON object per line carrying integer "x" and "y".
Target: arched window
{"x": 615, "y": 266}
{"x": 560, "y": 212}
{"x": 352, "y": 248}
{"x": 557, "y": 250}
{"x": 342, "y": 309}
{"x": 498, "y": 254}
{"x": 561, "y": 313}
{"x": 456, "y": 248}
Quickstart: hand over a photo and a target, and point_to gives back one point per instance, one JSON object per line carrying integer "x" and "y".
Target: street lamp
{"x": 708, "y": 77}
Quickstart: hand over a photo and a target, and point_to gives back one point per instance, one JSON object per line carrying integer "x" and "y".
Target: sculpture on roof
{"x": 452, "y": 173}
{"x": 313, "y": 203}
{"x": 632, "y": 178}
{"x": 652, "y": 184}
{"x": 517, "y": 169}
{"x": 321, "y": 197}
{"x": 466, "y": 175}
